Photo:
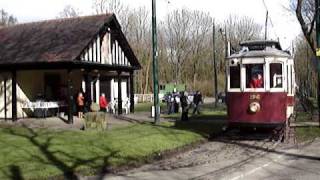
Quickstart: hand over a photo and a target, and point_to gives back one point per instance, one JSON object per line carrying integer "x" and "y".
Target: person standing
{"x": 196, "y": 101}
{"x": 177, "y": 102}
{"x": 168, "y": 101}
{"x": 184, "y": 105}
{"x": 103, "y": 103}
{"x": 80, "y": 104}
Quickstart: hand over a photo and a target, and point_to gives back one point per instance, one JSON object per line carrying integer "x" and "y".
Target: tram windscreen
{"x": 254, "y": 76}
{"x": 235, "y": 76}
{"x": 276, "y": 75}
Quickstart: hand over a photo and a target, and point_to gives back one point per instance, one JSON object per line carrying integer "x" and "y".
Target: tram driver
{"x": 256, "y": 81}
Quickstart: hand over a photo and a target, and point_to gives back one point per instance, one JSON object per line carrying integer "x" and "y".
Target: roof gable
{"x": 53, "y": 40}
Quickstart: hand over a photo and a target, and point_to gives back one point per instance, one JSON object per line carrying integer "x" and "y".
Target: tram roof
{"x": 260, "y": 48}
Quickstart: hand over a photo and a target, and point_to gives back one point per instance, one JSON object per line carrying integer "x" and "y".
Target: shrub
{"x": 95, "y": 107}
{"x": 95, "y": 120}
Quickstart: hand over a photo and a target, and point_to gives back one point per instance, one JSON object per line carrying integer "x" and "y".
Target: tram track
{"x": 224, "y": 152}
{"x": 252, "y": 149}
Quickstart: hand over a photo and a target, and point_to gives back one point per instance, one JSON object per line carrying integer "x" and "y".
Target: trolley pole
{"x": 215, "y": 64}
{"x": 155, "y": 65}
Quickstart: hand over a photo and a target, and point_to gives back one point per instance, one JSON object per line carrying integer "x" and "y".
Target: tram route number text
{"x": 254, "y": 97}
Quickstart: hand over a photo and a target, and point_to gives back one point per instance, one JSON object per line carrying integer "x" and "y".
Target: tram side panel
{"x": 272, "y": 109}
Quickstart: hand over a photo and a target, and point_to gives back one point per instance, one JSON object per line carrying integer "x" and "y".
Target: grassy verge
{"x": 303, "y": 117}
{"x": 39, "y": 154}
{"x": 307, "y": 133}
{"x": 146, "y": 107}
{"x": 207, "y": 112}
{"x": 214, "y": 114}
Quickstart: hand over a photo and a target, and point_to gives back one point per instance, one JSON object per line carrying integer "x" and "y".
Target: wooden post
{"x": 70, "y": 98}
{"x": 87, "y": 80}
{"x": 131, "y": 92}
{"x": 14, "y": 95}
{"x": 119, "y": 94}
{"x": 5, "y": 98}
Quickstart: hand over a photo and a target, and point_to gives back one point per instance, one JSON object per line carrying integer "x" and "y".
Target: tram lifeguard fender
{"x": 272, "y": 107}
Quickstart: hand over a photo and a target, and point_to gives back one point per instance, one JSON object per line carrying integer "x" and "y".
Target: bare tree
{"x": 305, "y": 13}
{"x": 6, "y": 19}
{"x": 68, "y": 12}
{"x": 305, "y": 72}
{"x": 178, "y": 35}
{"x": 201, "y": 29}
{"x": 121, "y": 10}
{"x": 139, "y": 37}
{"x": 242, "y": 28}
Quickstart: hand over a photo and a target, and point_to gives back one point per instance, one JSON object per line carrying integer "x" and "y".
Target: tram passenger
{"x": 256, "y": 81}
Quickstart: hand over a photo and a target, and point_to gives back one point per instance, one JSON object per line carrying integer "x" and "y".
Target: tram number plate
{"x": 255, "y": 97}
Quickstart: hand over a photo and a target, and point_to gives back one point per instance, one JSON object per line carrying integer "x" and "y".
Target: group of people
{"x": 186, "y": 101}
{"x": 81, "y": 103}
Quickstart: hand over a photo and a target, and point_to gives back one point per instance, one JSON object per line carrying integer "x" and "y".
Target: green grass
{"x": 307, "y": 133}
{"x": 214, "y": 114}
{"x": 39, "y": 154}
{"x": 314, "y": 102}
{"x": 146, "y": 107}
{"x": 303, "y": 117}
{"x": 207, "y": 112}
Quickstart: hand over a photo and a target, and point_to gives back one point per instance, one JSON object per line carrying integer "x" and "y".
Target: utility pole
{"x": 317, "y": 2}
{"x": 155, "y": 65}
{"x": 215, "y": 64}
{"x": 226, "y": 56}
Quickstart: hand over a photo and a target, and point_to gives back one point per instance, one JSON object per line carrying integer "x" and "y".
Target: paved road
{"x": 233, "y": 160}
{"x": 295, "y": 163}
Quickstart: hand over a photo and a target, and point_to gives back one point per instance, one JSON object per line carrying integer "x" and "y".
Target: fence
{"x": 143, "y": 98}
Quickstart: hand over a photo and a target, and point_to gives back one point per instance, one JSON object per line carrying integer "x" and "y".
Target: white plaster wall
{"x": 114, "y": 90}
{"x": 8, "y": 95}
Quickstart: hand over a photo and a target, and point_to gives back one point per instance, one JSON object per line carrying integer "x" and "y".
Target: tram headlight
{"x": 254, "y": 107}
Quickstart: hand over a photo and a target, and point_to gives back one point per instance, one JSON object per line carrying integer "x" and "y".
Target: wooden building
{"x": 58, "y": 58}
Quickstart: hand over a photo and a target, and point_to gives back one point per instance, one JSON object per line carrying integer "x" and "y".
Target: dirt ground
{"x": 236, "y": 159}
{"x": 212, "y": 159}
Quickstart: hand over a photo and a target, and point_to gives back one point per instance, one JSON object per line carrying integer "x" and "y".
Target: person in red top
{"x": 103, "y": 102}
{"x": 80, "y": 104}
{"x": 256, "y": 81}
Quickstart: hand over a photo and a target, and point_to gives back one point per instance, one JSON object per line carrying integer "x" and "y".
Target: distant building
{"x": 56, "y": 59}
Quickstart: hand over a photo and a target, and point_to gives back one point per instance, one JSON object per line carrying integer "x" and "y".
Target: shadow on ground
{"x": 67, "y": 163}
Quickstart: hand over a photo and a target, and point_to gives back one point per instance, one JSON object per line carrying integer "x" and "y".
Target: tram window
{"x": 235, "y": 76}
{"x": 276, "y": 75}
{"x": 254, "y": 76}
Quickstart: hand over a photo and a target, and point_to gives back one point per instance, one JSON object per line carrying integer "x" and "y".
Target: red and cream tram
{"x": 261, "y": 85}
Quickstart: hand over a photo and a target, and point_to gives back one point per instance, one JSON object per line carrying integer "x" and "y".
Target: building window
{"x": 235, "y": 76}
{"x": 254, "y": 76}
{"x": 276, "y": 75}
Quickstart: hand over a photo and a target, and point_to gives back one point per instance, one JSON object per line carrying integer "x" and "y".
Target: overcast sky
{"x": 285, "y": 26}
